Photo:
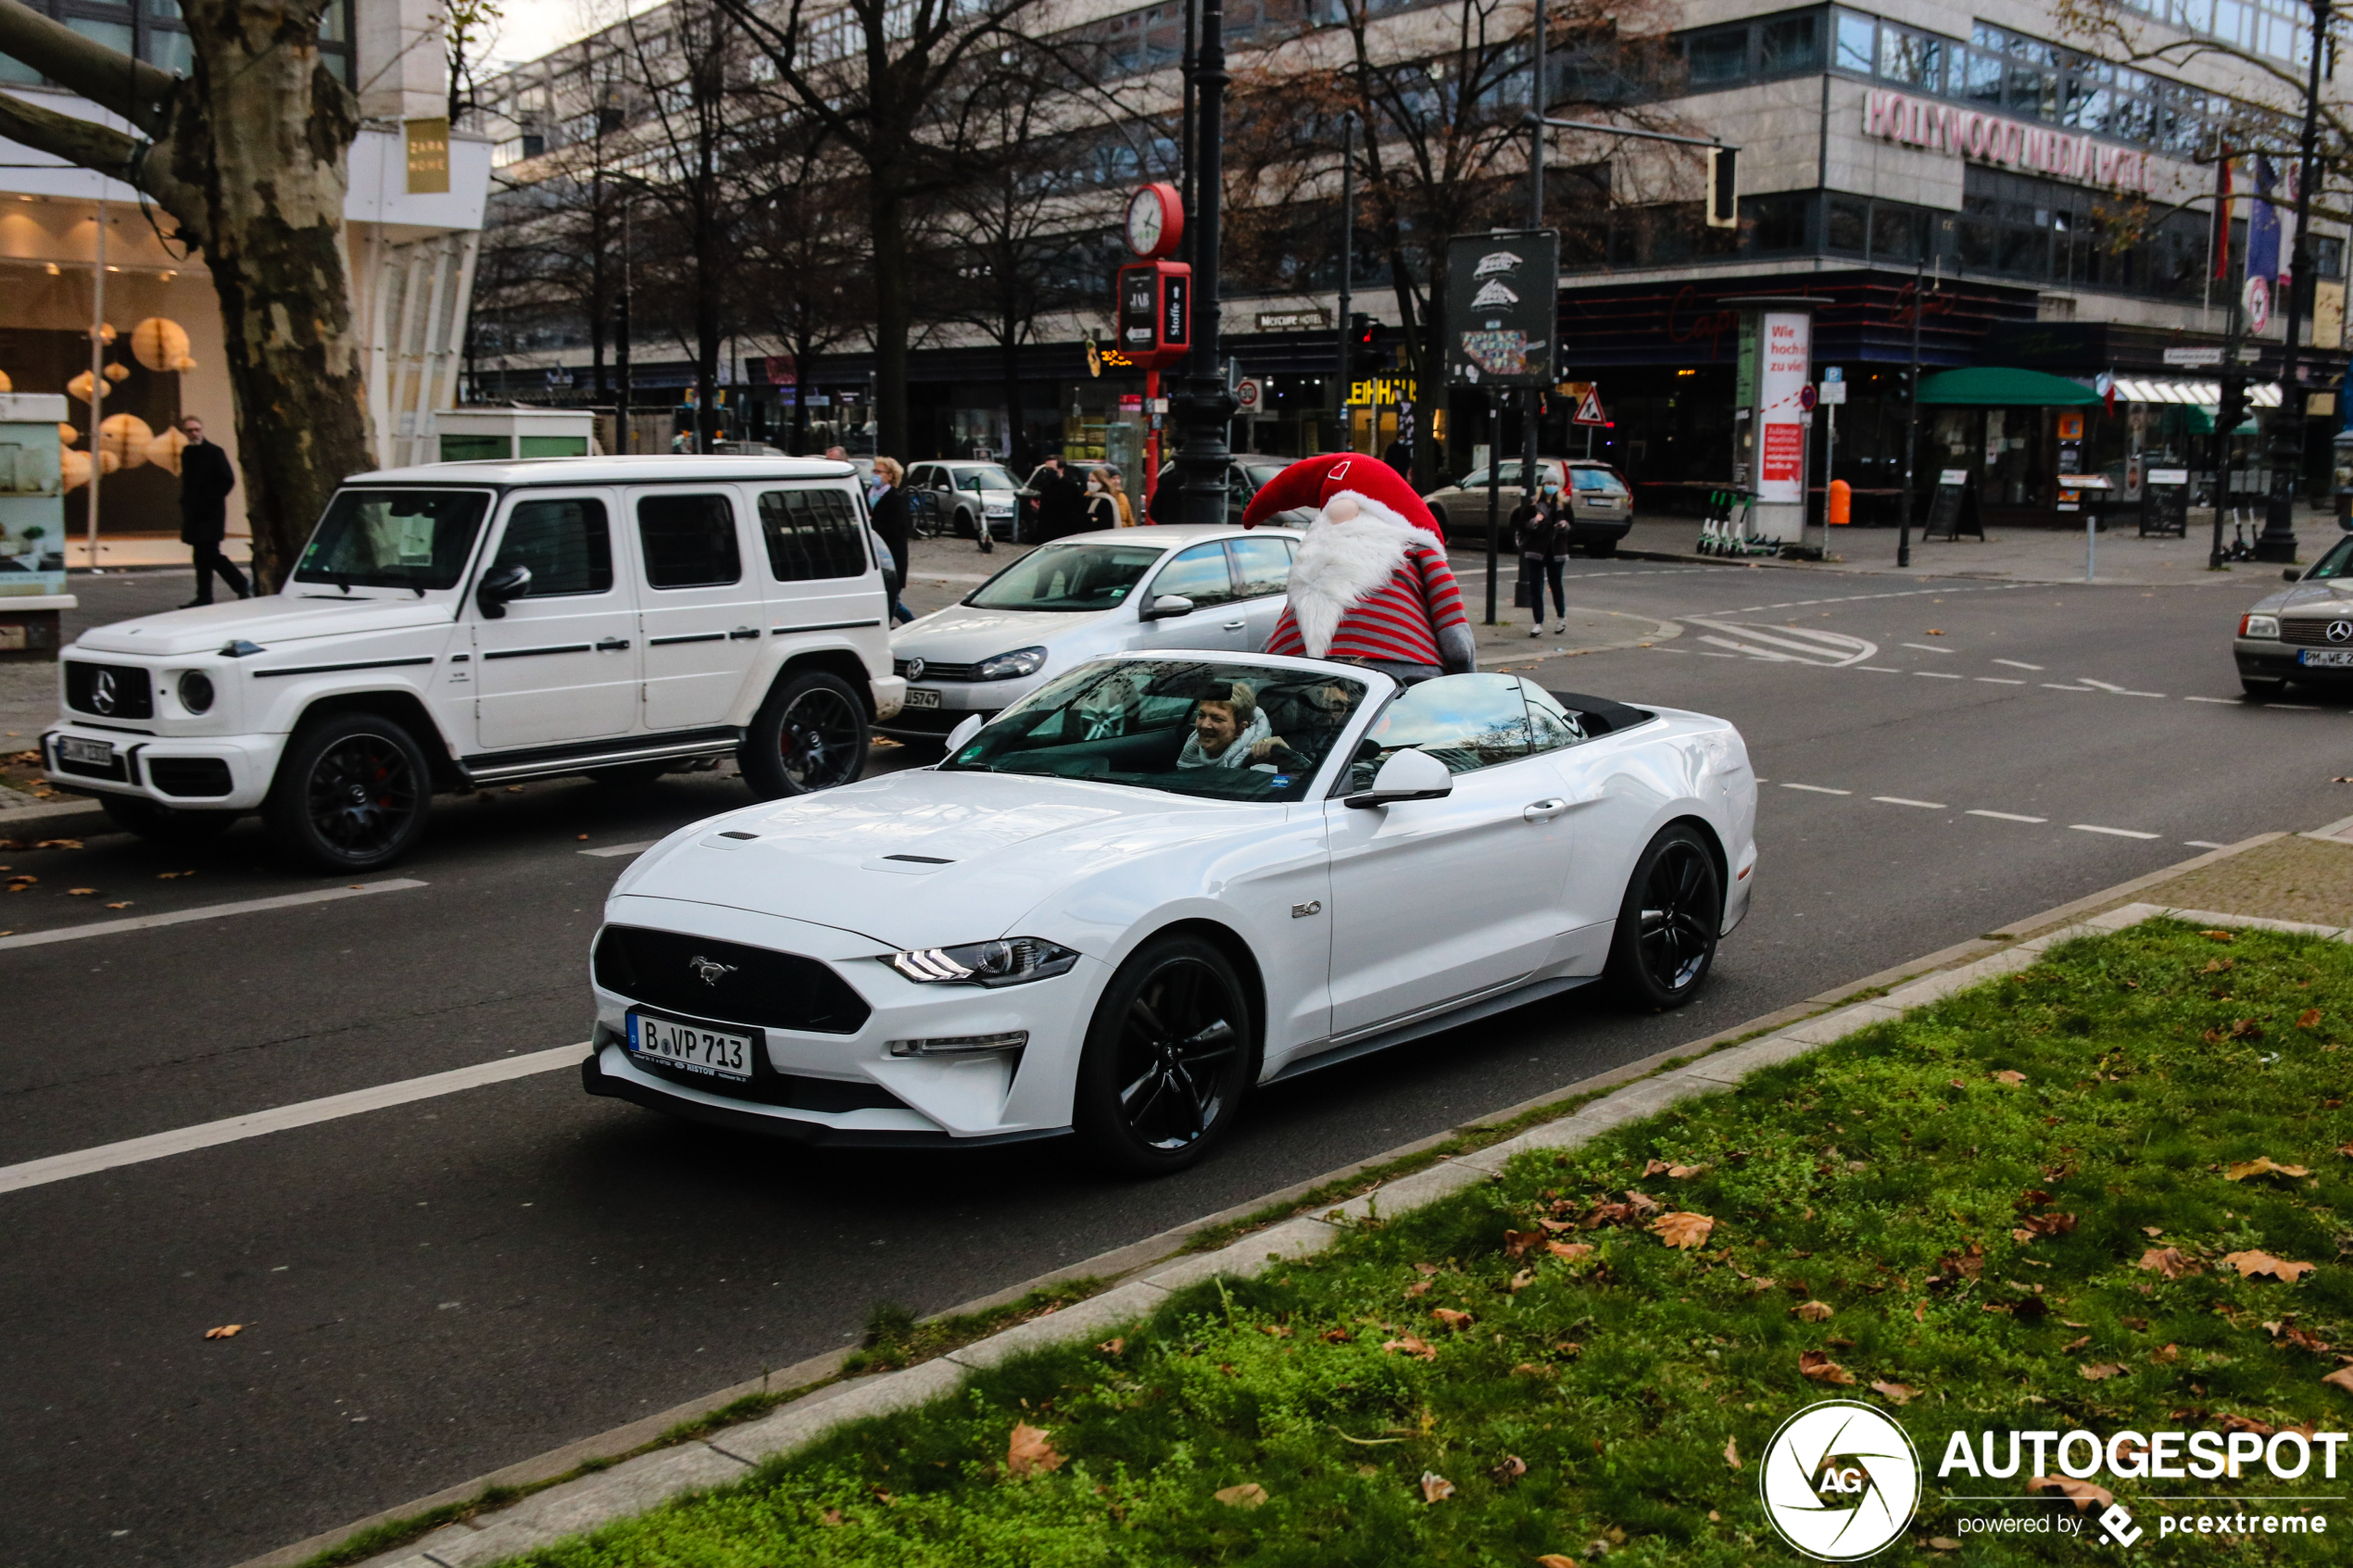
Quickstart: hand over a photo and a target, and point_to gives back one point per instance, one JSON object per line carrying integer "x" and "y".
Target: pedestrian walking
{"x": 895, "y": 521}
{"x": 1115, "y": 485}
{"x": 205, "y": 478}
{"x": 1061, "y": 502}
{"x": 1102, "y": 512}
{"x": 1399, "y": 455}
{"x": 1540, "y": 530}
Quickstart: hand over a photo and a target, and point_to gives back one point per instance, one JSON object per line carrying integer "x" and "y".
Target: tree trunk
{"x": 886, "y": 213}
{"x": 273, "y": 177}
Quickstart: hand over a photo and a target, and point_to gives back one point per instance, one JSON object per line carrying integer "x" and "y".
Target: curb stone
{"x": 1723, "y": 1057}
{"x": 671, "y": 1473}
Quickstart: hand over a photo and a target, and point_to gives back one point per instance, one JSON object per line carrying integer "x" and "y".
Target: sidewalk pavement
{"x": 2023, "y": 555}
{"x": 2298, "y": 884}
{"x": 131, "y": 552}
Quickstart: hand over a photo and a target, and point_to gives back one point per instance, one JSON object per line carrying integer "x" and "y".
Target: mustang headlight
{"x": 2260, "y": 626}
{"x": 1012, "y": 962}
{"x": 1010, "y": 665}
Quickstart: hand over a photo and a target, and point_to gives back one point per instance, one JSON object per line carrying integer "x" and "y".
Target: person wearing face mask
{"x": 1541, "y": 526}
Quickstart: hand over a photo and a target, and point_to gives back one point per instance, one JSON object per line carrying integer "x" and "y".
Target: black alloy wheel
{"x": 351, "y": 794}
{"x": 1664, "y": 943}
{"x": 1167, "y": 1061}
{"x": 809, "y": 735}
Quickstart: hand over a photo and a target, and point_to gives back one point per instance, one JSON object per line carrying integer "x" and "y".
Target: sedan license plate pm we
{"x": 2326, "y": 658}
{"x": 696, "y": 1050}
{"x": 919, "y": 698}
{"x": 73, "y": 748}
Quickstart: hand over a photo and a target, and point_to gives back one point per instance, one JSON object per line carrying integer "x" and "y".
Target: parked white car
{"x": 1116, "y": 591}
{"x": 472, "y": 624}
{"x": 1156, "y": 882}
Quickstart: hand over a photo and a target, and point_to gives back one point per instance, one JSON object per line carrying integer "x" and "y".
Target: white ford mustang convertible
{"x": 1156, "y": 882}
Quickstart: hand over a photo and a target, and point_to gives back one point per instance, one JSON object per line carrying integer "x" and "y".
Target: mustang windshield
{"x": 394, "y": 539}
{"x": 1211, "y": 728}
{"x": 1068, "y": 577}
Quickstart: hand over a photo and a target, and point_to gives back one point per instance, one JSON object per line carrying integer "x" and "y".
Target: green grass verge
{"x": 1968, "y": 1192}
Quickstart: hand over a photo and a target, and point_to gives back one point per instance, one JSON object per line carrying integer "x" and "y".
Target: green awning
{"x": 1995, "y": 386}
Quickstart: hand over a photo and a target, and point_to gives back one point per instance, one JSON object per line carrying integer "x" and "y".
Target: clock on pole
{"x": 1155, "y": 219}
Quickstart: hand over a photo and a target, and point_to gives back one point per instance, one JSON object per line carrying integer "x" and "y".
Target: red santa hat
{"x": 1315, "y": 483}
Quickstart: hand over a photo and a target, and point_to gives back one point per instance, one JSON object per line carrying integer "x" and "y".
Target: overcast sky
{"x": 533, "y": 28}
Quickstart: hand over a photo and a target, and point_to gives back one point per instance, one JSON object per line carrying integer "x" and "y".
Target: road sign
{"x": 1808, "y": 397}
{"x": 2193, "y": 357}
{"x": 1588, "y": 409}
{"x": 1833, "y": 391}
{"x": 1248, "y": 396}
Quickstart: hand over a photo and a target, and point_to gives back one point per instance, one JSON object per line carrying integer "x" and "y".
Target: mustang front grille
{"x": 726, "y": 982}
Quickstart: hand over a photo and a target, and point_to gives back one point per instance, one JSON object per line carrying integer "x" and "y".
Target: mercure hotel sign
{"x": 2007, "y": 144}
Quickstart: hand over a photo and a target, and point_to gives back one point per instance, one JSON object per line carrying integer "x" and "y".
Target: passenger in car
{"x": 1229, "y": 730}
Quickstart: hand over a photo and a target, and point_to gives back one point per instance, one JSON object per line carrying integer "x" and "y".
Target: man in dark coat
{"x": 206, "y": 480}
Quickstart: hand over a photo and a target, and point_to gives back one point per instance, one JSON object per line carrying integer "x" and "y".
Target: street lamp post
{"x": 1912, "y": 418}
{"x": 1531, "y": 444}
{"x": 2285, "y": 426}
{"x": 1206, "y": 408}
{"x": 1343, "y": 439}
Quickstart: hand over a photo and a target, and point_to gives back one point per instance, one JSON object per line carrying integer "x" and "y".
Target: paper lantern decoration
{"x": 164, "y": 450}
{"x": 159, "y": 344}
{"x": 118, "y": 373}
{"x": 80, "y": 387}
{"x": 104, "y": 334}
{"x": 184, "y": 363}
{"x": 6, "y": 384}
{"x": 75, "y": 467}
{"x": 67, "y": 434}
{"x": 124, "y": 438}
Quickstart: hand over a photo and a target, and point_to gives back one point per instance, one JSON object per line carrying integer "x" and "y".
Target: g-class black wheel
{"x": 351, "y": 794}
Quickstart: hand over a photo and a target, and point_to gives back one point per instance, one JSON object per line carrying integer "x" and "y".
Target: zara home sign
{"x": 2007, "y": 144}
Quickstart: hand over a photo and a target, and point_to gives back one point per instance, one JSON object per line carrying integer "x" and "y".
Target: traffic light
{"x": 1367, "y": 355}
{"x": 1723, "y": 188}
{"x": 2232, "y": 409}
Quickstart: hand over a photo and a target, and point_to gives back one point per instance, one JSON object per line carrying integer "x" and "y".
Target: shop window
{"x": 1718, "y": 57}
{"x": 2328, "y": 255}
{"x": 1789, "y": 44}
{"x": 1846, "y": 225}
{"x": 1776, "y": 223}
{"x": 1898, "y": 233}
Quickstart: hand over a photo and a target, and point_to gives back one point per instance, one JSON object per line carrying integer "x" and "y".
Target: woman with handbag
{"x": 1541, "y": 529}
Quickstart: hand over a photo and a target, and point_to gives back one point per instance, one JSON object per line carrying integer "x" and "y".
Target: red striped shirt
{"x": 1398, "y": 621}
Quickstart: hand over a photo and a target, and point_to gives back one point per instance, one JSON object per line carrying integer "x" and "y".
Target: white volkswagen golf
{"x": 1154, "y": 882}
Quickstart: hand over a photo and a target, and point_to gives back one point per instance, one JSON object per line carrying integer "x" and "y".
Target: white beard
{"x": 1339, "y": 563}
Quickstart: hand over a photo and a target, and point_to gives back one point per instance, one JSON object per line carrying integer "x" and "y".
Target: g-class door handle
{"x": 1543, "y": 810}
{"x": 741, "y": 633}
{"x": 611, "y": 645}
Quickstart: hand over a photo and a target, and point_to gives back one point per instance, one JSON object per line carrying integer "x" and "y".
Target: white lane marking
{"x": 208, "y": 911}
{"x": 607, "y": 850}
{"x": 1899, "y": 800}
{"x": 1927, "y": 647}
{"x": 303, "y": 1113}
{"x": 1818, "y": 789}
{"x": 2054, "y": 686}
{"x": 1739, "y": 647}
{"x": 1704, "y": 654}
{"x": 2203, "y": 844}
{"x": 2233, "y": 701}
{"x": 2297, "y": 706}
{"x": 1877, "y": 669}
{"x": 2111, "y": 686}
{"x": 2119, "y": 833}
{"x": 2008, "y": 817}
{"x": 1812, "y": 644}
{"x": 1937, "y": 674}
{"x": 1997, "y": 679}
{"x": 2018, "y": 664}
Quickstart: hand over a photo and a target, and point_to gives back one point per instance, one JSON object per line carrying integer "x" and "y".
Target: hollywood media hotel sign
{"x": 2007, "y": 144}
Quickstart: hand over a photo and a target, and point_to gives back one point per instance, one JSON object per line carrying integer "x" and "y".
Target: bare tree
{"x": 879, "y": 77}
{"x": 247, "y": 157}
{"x": 806, "y": 281}
{"x": 469, "y": 31}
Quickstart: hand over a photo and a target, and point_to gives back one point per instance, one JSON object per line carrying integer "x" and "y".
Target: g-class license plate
{"x": 97, "y": 753}
{"x": 918, "y": 697}
{"x": 684, "y": 1045}
{"x": 2327, "y": 658}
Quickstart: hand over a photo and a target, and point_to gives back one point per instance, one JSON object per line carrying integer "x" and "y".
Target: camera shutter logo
{"x": 2340, "y": 631}
{"x": 1839, "y": 1481}
{"x": 2118, "y": 1524}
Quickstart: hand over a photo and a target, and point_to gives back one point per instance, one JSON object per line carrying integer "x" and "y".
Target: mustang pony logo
{"x": 708, "y": 970}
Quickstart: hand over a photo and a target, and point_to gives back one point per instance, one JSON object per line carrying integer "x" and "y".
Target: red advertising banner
{"x": 1785, "y": 451}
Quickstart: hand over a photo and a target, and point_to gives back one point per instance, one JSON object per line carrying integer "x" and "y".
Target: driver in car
{"x": 1229, "y": 730}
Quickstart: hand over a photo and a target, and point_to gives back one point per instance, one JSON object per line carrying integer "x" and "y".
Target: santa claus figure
{"x": 1370, "y": 585}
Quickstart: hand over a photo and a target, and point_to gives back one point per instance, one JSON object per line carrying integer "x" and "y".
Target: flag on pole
{"x": 2105, "y": 384}
{"x": 2222, "y": 217}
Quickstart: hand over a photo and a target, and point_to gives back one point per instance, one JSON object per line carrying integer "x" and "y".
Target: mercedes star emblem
{"x": 708, "y": 970}
{"x": 2339, "y": 631}
{"x": 914, "y": 670}
{"x": 102, "y": 693}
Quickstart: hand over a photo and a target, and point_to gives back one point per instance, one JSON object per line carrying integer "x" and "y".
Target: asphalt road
{"x": 438, "y": 1289}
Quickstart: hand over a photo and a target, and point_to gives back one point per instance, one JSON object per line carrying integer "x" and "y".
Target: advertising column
{"x": 1784, "y": 375}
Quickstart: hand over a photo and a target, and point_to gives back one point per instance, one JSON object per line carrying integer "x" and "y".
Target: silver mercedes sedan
{"x": 2303, "y": 633}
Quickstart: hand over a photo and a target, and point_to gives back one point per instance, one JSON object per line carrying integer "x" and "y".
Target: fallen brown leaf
{"x": 2309, "y": 1018}
{"x": 2252, "y": 1264}
{"x": 2152, "y": 1231}
{"x": 2170, "y": 1354}
{"x": 2341, "y": 1378}
{"x": 1250, "y": 1494}
{"x": 124, "y": 905}
{"x": 2170, "y": 1261}
{"x": 1812, "y": 1312}
{"x": 80, "y": 892}
{"x": 1516, "y": 1243}
{"x": 58, "y": 844}
{"x": 1112, "y": 1347}
{"x": 1420, "y": 1288}
{"x": 1450, "y": 1317}
{"x": 1335, "y": 1336}
{"x": 2084, "y": 1494}
{"x": 2261, "y": 1166}
{"x": 226, "y": 1331}
{"x": 1411, "y": 1346}
{"x": 2074, "y": 1345}
{"x": 1572, "y": 1250}
{"x": 1555, "y": 1559}
{"x": 2216, "y": 935}
{"x": 1899, "y": 1393}
{"x": 1681, "y": 1229}
{"x": 1822, "y": 1369}
{"x": 1436, "y": 1487}
{"x": 2099, "y": 1373}
{"x": 1031, "y": 1452}
{"x": 2008, "y": 1076}
{"x": 1510, "y": 1469}
{"x": 831, "y": 1516}
{"x": 1943, "y": 1543}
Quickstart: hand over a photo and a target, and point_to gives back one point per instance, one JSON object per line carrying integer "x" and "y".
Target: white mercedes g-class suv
{"x": 468, "y": 623}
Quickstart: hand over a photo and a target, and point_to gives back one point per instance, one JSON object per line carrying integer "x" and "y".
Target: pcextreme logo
{"x": 1839, "y": 1481}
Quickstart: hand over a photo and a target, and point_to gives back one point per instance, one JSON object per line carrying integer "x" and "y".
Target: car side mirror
{"x": 1407, "y": 775}
{"x": 499, "y": 585}
{"x": 965, "y": 729}
{"x": 2291, "y": 575}
{"x": 1168, "y": 607}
